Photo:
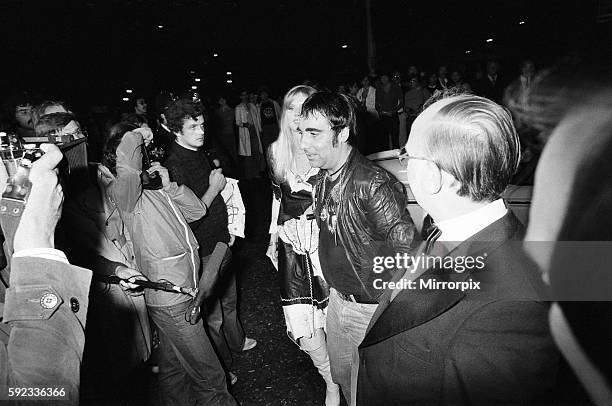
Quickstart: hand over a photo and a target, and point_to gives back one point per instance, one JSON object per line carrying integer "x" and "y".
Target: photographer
{"x": 46, "y": 304}
{"x": 165, "y": 249}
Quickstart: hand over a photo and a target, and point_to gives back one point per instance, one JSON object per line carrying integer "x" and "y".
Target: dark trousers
{"x": 389, "y": 126}
{"x": 189, "y": 370}
{"x": 269, "y": 134}
{"x": 224, "y": 327}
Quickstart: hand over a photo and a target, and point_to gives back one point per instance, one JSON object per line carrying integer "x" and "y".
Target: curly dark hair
{"x": 180, "y": 110}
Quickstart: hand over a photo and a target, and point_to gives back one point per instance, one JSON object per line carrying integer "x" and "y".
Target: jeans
{"x": 189, "y": 370}
{"x": 346, "y": 327}
{"x": 224, "y": 327}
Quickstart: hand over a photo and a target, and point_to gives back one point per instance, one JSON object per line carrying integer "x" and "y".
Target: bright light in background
{"x": 521, "y": 22}
{"x": 194, "y": 88}
{"x": 468, "y": 52}
{"x": 192, "y": 72}
{"x": 344, "y": 46}
{"x": 229, "y": 81}
{"x": 126, "y": 99}
{"x": 197, "y": 79}
{"x": 228, "y": 73}
{"x": 128, "y": 90}
{"x": 490, "y": 40}
{"x": 215, "y": 55}
{"x": 160, "y": 26}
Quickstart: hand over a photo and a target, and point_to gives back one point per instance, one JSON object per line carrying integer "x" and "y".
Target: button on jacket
{"x": 46, "y": 337}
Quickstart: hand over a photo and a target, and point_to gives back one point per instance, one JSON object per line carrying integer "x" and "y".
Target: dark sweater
{"x": 192, "y": 168}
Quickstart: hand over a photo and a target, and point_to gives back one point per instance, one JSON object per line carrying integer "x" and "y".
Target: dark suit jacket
{"x": 490, "y": 90}
{"x": 489, "y": 346}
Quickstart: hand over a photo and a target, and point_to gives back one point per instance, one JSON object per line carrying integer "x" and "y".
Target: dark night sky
{"x": 84, "y": 49}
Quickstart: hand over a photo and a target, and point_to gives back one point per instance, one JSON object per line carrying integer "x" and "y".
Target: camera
{"x": 152, "y": 180}
{"x": 18, "y": 160}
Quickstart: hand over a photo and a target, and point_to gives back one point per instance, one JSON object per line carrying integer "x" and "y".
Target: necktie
{"x": 434, "y": 234}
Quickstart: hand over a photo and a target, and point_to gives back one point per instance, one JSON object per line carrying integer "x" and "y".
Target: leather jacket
{"x": 372, "y": 219}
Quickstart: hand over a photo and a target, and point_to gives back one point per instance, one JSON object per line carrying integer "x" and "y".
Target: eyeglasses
{"x": 403, "y": 156}
{"x": 76, "y": 134}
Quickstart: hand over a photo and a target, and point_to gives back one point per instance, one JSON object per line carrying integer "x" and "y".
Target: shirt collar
{"x": 178, "y": 148}
{"x": 463, "y": 227}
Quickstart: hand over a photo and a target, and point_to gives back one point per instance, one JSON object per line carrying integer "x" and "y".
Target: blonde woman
{"x": 294, "y": 241}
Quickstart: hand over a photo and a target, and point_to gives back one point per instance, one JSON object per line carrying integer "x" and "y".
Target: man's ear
{"x": 343, "y": 136}
{"x": 432, "y": 178}
{"x": 450, "y": 181}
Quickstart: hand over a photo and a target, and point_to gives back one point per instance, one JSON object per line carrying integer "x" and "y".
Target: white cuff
{"x": 47, "y": 253}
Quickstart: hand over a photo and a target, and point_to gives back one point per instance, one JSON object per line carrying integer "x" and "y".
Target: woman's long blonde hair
{"x": 281, "y": 153}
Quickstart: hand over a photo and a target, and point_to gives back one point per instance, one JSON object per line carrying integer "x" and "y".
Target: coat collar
{"x": 411, "y": 308}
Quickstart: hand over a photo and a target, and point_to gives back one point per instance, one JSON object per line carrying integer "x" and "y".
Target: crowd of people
{"x": 359, "y": 293}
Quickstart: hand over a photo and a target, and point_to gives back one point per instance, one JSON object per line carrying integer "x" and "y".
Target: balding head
{"x": 472, "y": 139}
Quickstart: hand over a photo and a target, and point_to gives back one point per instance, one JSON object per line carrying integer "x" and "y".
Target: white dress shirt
{"x": 463, "y": 227}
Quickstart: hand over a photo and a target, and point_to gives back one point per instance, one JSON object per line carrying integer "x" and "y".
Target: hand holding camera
{"x": 43, "y": 206}
{"x": 161, "y": 171}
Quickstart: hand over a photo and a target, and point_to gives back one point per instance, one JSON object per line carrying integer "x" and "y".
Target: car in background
{"x": 517, "y": 197}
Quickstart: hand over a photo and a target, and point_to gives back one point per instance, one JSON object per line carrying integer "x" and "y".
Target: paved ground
{"x": 276, "y": 372}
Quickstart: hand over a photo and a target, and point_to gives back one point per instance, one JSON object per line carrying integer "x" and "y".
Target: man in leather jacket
{"x": 362, "y": 216}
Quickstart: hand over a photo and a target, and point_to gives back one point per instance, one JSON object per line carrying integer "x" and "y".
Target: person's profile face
{"x": 293, "y": 112}
{"x": 73, "y": 129}
{"x": 192, "y": 133}
{"x": 23, "y": 116}
{"x": 244, "y": 97}
{"x": 317, "y": 141}
{"x": 492, "y": 68}
{"x": 419, "y": 171}
{"x": 528, "y": 69}
{"x": 141, "y": 106}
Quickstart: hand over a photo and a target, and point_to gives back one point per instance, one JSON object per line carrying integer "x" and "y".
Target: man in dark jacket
{"x": 361, "y": 212}
{"x": 189, "y": 165}
{"x": 464, "y": 324}
{"x": 492, "y": 85}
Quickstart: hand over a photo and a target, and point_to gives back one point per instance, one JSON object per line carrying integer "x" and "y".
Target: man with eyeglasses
{"x": 474, "y": 330}
{"x": 361, "y": 213}
{"x": 60, "y": 127}
{"x": 189, "y": 165}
